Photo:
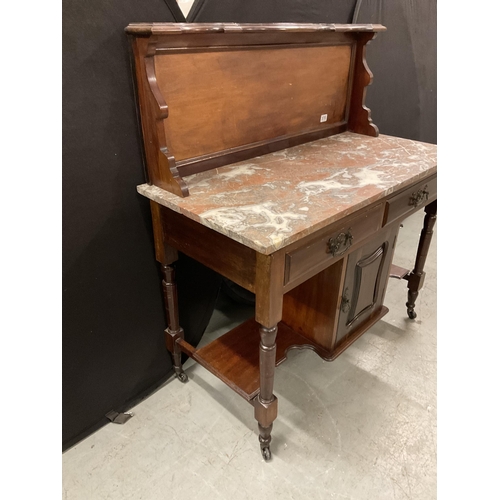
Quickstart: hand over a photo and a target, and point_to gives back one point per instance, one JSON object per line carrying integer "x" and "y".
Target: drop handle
{"x": 341, "y": 243}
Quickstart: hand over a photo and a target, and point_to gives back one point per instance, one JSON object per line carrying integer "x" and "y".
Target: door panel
{"x": 367, "y": 274}
{"x": 365, "y": 282}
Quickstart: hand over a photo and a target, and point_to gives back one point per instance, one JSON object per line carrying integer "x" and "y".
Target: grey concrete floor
{"x": 362, "y": 427}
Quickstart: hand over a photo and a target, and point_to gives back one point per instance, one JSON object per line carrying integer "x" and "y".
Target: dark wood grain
{"x": 216, "y": 251}
{"x": 252, "y": 96}
{"x": 361, "y": 328}
{"x": 165, "y": 254}
{"x": 398, "y": 272}
{"x": 147, "y": 29}
{"x": 174, "y": 332}
{"x": 266, "y": 409}
{"x": 234, "y": 357}
{"x": 312, "y": 308}
{"x": 160, "y": 164}
{"x": 312, "y": 254}
{"x": 417, "y": 276}
{"x": 399, "y": 205}
{"x": 269, "y": 288}
{"x": 365, "y": 282}
{"x": 359, "y": 115}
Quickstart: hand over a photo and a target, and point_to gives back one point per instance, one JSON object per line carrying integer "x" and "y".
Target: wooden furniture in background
{"x": 264, "y": 165}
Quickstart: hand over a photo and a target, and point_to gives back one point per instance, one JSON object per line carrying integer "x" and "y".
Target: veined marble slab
{"x": 272, "y": 200}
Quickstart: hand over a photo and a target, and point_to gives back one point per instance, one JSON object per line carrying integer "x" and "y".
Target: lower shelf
{"x": 398, "y": 272}
{"x": 234, "y": 357}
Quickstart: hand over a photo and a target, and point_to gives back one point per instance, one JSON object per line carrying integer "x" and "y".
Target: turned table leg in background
{"x": 174, "y": 331}
{"x": 417, "y": 276}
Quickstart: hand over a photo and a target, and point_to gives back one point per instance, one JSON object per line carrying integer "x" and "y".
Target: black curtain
{"x": 403, "y": 95}
{"x": 113, "y": 319}
{"x": 272, "y": 11}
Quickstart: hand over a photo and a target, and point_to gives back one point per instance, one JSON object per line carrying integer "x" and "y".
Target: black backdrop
{"x": 113, "y": 319}
{"x": 113, "y": 350}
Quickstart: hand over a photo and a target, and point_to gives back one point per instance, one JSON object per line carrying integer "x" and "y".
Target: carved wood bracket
{"x": 360, "y": 120}
{"x": 166, "y": 161}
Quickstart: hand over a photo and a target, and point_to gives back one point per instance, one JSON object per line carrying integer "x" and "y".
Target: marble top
{"x": 273, "y": 200}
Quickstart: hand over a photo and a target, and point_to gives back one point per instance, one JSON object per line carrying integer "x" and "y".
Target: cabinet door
{"x": 365, "y": 282}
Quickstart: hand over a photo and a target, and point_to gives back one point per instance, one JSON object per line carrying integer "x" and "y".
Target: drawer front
{"x": 331, "y": 245}
{"x": 410, "y": 199}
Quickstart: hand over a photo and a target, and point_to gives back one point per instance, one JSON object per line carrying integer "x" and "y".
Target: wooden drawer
{"x": 331, "y": 244}
{"x": 411, "y": 199}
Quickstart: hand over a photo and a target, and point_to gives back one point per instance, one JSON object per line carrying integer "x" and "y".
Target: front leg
{"x": 174, "y": 331}
{"x": 266, "y": 403}
{"x": 417, "y": 276}
{"x": 268, "y": 311}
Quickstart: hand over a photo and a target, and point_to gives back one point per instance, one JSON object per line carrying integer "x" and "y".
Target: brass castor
{"x": 411, "y": 313}
{"x": 182, "y": 377}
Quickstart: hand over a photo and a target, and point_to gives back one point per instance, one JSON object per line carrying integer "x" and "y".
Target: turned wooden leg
{"x": 266, "y": 403}
{"x": 174, "y": 331}
{"x": 417, "y": 276}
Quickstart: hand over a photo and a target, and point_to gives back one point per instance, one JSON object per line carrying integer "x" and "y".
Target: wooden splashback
{"x": 210, "y": 95}
{"x": 225, "y": 99}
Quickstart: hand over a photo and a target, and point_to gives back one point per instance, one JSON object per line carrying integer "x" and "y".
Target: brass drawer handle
{"x": 341, "y": 243}
{"x": 417, "y": 197}
{"x": 345, "y": 304}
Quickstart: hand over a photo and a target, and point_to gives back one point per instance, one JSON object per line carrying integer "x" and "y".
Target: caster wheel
{"x": 182, "y": 377}
{"x": 412, "y": 314}
{"x": 266, "y": 453}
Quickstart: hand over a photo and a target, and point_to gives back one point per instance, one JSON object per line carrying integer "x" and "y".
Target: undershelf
{"x": 234, "y": 357}
{"x": 398, "y": 272}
